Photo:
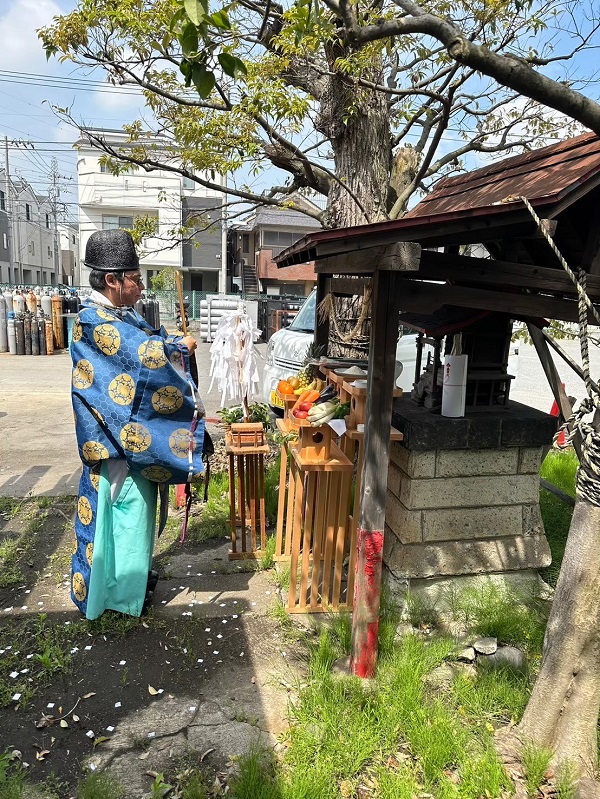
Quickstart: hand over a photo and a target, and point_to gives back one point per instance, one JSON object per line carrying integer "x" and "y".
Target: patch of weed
{"x": 12, "y": 783}
{"x": 266, "y": 560}
{"x": 100, "y": 786}
{"x": 490, "y": 610}
{"x": 50, "y": 644}
{"x": 492, "y": 694}
{"x": 256, "y": 778}
{"x": 535, "y": 763}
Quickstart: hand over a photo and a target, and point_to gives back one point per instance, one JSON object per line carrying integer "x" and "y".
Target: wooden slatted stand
{"x": 313, "y": 513}
{"x": 246, "y": 447}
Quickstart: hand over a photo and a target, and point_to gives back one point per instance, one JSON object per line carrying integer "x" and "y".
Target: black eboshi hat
{"x": 111, "y": 251}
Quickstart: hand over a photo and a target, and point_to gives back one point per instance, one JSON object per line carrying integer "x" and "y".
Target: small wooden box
{"x": 313, "y": 442}
{"x": 248, "y": 435}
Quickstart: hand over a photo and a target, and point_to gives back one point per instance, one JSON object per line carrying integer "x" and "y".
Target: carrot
{"x": 312, "y": 396}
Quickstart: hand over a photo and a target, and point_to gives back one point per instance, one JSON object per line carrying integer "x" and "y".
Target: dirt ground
{"x": 204, "y": 676}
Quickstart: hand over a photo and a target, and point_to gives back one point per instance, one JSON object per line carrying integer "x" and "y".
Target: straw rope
{"x": 588, "y": 475}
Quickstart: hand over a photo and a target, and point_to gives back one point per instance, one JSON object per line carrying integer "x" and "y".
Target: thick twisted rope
{"x": 588, "y": 475}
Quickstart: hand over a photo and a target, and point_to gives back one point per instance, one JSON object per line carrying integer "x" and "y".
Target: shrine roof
{"x": 475, "y": 207}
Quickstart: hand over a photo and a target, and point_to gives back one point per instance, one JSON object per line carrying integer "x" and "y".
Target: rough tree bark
{"x": 562, "y": 712}
{"x": 357, "y": 122}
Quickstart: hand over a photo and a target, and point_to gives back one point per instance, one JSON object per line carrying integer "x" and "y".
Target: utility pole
{"x": 9, "y": 215}
{"x": 54, "y": 197}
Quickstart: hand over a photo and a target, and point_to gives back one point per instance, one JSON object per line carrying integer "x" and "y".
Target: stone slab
{"x": 530, "y": 459}
{"x": 464, "y": 492}
{"x": 468, "y": 523}
{"x": 515, "y": 426}
{"x": 467, "y": 557}
{"x": 457, "y": 463}
{"x": 407, "y": 525}
{"x": 414, "y": 464}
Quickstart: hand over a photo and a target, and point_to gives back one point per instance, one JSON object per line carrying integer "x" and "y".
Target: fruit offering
{"x": 285, "y": 387}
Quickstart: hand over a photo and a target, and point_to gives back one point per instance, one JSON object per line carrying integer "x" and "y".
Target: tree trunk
{"x": 562, "y": 713}
{"x": 357, "y": 122}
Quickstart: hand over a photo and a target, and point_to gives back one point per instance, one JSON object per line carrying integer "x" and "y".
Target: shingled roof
{"x": 478, "y": 206}
{"x": 544, "y": 176}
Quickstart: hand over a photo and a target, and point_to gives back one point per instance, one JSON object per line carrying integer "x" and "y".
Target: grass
{"x": 559, "y": 468}
{"x": 535, "y": 763}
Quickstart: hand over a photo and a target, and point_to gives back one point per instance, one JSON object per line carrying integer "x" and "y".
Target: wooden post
{"x": 549, "y": 367}
{"x": 382, "y": 357}
{"x": 321, "y": 329}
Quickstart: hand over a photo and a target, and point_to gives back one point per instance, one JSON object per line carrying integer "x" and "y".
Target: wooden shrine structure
{"x": 423, "y": 263}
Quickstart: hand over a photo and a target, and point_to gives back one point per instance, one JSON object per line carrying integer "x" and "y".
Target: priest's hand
{"x": 190, "y": 343}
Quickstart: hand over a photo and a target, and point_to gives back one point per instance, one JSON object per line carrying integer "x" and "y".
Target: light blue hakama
{"x": 123, "y": 542}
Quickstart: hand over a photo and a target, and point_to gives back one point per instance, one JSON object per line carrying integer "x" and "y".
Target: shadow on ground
{"x": 205, "y": 676}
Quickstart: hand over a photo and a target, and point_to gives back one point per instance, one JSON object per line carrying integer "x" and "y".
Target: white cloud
{"x": 21, "y": 49}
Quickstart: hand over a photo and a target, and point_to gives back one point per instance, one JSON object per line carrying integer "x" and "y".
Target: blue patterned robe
{"x": 134, "y": 399}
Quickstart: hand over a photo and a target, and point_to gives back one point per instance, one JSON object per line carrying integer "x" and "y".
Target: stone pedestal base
{"x": 463, "y": 495}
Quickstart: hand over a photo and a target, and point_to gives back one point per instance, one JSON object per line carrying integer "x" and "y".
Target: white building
{"x": 109, "y": 201}
{"x": 28, "y": 245}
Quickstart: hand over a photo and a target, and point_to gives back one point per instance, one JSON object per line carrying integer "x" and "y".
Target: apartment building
{"x": 28, "y": 245}
{"x": 109, "y": 201}
{"x": 254, "y": 244}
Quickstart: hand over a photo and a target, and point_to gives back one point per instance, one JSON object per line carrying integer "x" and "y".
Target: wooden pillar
{"x": 321, "y": 328}
{"x": 382, "y": 358}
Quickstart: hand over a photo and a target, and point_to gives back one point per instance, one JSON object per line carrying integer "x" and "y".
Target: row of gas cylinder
{"x": 32, "y": 322}
{"x": 35, "y": 322}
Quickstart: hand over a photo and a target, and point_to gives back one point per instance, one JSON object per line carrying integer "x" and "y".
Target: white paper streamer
{"x": 233, "y": 358}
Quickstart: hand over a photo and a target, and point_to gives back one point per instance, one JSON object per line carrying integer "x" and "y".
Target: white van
{"x": 287, "y": 348}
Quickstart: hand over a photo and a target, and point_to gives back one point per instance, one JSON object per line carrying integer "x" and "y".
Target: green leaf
{"x": 204, "y": 80}
{"x": 195, "y": 10}
{"x": 220, "y": 20}
{"x": 189, "y": 39}
{"x": 232, "y": 65}
{"x": 186, "y": 70}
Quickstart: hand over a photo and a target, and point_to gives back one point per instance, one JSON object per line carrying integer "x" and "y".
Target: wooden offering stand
{"x": 246, "y": 446}
{"x": 312, "y": 519}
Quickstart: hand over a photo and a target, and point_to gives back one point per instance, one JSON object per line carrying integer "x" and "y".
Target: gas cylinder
{"x": 3, "y": 331}
{"x": 20, "y": 335}
{"x": 27, "y": 333}
{"x": 57, "y": 321}
{"x": 49, "y": 337}
{"x": 10, "y": 331}
{"x": 41, "y": 323}
{"x": 47, "y": 304}
{"x": 38, "y": 298}
{"x": 30, "y": 301}
{"x": 35, "y": 336}
{"x": 18, "y": 301}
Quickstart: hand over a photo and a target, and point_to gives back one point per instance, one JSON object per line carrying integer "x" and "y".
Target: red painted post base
{"x": 180, "y": 496}
{"x": 367, "y": 594}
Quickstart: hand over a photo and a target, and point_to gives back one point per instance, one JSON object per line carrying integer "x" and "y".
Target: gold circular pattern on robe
{"x": 79, "y": 589}
{"x": 77, "y": 330}
{"x": 177, "y": 360}
{"x": 89, "y": 553}
{"x": 108, "y": 339}
{"x": 135, "y": 437}
{"x": 75, "y": 546}
{"x": 158, "y": 474}
{"x": 106, "y": 315}
{"x": 152, "y": 354}
{"x": 83, "y": 374}
{"x": 122, "y": 389}
{"x": 84, "y": 510}
{"x": 179, "y": 442}
{"x": 93, "y": 451}
{"x": 95, "y": 476}
{"x": 167, "y": 399}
